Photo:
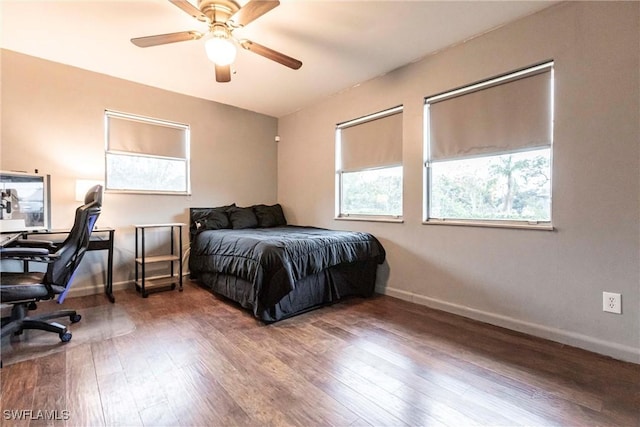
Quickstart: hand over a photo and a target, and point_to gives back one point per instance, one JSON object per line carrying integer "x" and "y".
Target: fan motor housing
{"x": 218, "y": 10}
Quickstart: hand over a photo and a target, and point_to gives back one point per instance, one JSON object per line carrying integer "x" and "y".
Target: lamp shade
{"x": 220, "y": 50}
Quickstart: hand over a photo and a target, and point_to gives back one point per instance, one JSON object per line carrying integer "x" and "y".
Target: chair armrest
{"x": 27, "y": 254}
{"x": 33, "y": 243}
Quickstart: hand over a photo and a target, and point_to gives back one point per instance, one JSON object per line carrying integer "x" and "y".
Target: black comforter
{"x": 273, "y": 259}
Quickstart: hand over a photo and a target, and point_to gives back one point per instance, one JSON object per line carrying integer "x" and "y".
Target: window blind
{"x": 372, "y": 144}
{"x": 496, "y": 117}
{"x": 142, "y": 137}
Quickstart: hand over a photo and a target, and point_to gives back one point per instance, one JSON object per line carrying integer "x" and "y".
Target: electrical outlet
{"x": 612, "y": 302}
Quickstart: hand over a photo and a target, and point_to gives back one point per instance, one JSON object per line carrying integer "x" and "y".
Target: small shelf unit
{"x": 146, "y": 285}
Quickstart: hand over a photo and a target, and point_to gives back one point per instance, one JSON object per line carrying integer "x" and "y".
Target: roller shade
{"x": 504, "y": 117}
{"x": 373, "y": 143}
{"x": 153, "y": 138}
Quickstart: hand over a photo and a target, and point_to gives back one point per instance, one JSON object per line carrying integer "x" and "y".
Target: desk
{"x": 101, "y": 239}
{"x": 5, "y": 239}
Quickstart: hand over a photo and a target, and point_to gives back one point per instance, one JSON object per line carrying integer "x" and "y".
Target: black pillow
{"x": 209, "y": 218}
{"x": 270, "y": 216}
{"x": 242, "y": 218}
{"x": 216, "y": 220}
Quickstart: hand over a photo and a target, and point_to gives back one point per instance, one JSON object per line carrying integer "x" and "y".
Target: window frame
{"x": 339, "y": 215}
{"x": 185, "y": 128}
{"x": 428, "y": 162}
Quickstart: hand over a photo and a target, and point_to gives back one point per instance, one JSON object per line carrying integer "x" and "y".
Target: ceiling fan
{"x": 223, "y": 17}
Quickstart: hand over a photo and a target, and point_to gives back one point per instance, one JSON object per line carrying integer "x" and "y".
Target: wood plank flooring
{"x": 198, "y": 360}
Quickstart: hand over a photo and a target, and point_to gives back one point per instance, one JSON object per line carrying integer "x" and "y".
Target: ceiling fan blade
{"x": 271, "y": 54}
{"x": 166, "y": 38}
{"x": 252, "y": 11}
{"x": 190, "y": 9}
{"x": 223, "y": 73}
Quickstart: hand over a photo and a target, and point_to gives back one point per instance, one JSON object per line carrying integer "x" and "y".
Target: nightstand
{"x": 146, "y": 285}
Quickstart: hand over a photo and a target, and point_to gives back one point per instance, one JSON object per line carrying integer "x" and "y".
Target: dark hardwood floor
{"x": 197, "y": 360}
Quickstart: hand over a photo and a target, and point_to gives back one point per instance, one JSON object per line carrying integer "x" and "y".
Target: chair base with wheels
{"x": 19, "y": 320}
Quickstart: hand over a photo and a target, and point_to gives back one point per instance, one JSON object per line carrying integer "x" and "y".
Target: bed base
{"x": 318, "y": 290}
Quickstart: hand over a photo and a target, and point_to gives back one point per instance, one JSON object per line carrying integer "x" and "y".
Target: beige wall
{"x": 52, "y": 120}
{"x": 546, "y": 283}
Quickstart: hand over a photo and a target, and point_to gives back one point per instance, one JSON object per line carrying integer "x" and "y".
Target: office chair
{"x": 23, "y": 290}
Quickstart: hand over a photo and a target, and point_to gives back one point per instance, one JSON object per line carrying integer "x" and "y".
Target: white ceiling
{"x": 341, "y": 43}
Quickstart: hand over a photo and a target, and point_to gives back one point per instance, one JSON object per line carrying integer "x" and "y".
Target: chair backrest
{"x": 71, "y": 251}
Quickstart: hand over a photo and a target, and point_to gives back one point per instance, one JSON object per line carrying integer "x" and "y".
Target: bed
{"x": 251, "y": 256}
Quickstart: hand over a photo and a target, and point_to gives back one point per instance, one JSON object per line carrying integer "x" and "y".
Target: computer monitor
{"x": 24, "y": 202}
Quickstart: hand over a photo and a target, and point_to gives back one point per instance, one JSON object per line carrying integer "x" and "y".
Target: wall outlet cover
{"x": 612, "y": 302}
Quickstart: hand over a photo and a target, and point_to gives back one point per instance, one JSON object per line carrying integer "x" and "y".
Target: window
{"x": 488, "y": 152}
{"x": 369, "y": 167}
{"x": 145, "y": 155}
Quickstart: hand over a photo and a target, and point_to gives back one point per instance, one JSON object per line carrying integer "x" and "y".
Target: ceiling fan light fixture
{"x": 223, "y": 17}
{"x": 220, "y": 48}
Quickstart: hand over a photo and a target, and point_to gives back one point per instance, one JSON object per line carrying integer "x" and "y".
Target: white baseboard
{"x": 615, "y": 350}
{"x": 81, "y": 291}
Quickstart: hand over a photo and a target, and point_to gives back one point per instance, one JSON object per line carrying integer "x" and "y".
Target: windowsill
{"x": 490, "y": 224}
{"x": 370, "y": 219}
{"x": 148, "y": 192}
